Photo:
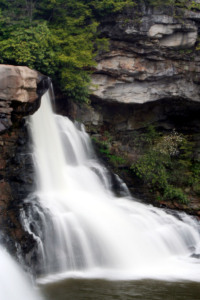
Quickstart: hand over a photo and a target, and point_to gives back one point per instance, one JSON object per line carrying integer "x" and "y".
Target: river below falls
{"x": 81, "y": 289}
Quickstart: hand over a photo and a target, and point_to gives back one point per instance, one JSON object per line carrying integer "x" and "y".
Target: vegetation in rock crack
{"x": 105, "y": 149}
{"x": 167, "y": 165}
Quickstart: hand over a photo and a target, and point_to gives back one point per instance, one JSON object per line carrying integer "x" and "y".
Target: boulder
{"x": 19, "y": 87}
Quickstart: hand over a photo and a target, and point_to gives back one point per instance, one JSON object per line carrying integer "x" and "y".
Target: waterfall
{"x": 13, "y": 283}
{"x": 83, "y": 229}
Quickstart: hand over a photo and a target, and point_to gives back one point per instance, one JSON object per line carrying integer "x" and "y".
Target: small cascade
{"x": 85, "y": 230}
{"x": 13, "y": 283}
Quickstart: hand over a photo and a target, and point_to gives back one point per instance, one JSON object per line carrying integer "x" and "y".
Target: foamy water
{"x": 87, "y": 231}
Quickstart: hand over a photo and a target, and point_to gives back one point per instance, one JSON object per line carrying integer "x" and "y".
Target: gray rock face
{"x": 142, "y": 92}
{"x": 152, "y": 57}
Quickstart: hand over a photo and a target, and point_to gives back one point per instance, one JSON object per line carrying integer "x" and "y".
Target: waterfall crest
{"x": 86, "y": 230}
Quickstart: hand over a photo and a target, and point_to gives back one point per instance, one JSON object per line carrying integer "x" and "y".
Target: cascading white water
{"x": 87, "y": 231}
{"x": 13, "y": 283}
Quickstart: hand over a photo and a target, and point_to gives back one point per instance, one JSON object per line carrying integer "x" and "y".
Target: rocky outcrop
{"x": 152, "y": 57}
{"x": 149, "y": 76}
{"x": 20, "y": 91}
{"x": 20, "y": 88}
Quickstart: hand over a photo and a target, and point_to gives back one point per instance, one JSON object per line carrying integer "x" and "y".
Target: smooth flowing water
{"x": 72, "y": 289}
{"x": 13, "y": 282}
{"x": 88, "y": 232}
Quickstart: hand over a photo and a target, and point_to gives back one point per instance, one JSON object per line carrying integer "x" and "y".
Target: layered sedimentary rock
{"x": 20, "y": 91}
{"x": 152, "y": 57}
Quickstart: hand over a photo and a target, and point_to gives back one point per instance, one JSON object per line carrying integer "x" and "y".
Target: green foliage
{"x": 196, "y": 171}
{"x": 152, "y": 169}
{"x": 167, "y": 166}
{"x": 161, "y": 2}
{"x": 151, "y": 135}
{"x": 174, "y": 193}
{"x": 194, "y": 181}
{"x": 172, "y": 3}
{"x": 105, "y": 7}
{"x": 116, "y": 160}
{"x": 57, "y": 37}
{"x": 143, "y": 140}
{"x": 193, "y": 5}
{"x": 104, "y": 148}
{"x": 28, "y": 46}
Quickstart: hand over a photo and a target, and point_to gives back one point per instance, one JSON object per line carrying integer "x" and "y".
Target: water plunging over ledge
{"x": 85, "y": 231}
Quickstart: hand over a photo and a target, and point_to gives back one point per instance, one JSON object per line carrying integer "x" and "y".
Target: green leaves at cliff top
{"x": 57, "y": 37}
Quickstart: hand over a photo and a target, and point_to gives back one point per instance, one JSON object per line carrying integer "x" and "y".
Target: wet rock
{"x": 20, "y": 92}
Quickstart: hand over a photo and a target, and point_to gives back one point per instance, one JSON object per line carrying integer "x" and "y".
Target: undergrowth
{"x": 167, "y": 166}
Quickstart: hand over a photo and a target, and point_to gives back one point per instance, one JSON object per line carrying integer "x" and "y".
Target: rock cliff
{"x": 152, "y": 57}
{"x": 149, "y": 77}
{"x": 20, "y": 91}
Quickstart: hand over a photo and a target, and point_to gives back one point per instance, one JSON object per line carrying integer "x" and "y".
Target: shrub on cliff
{"x": 57, "y": 37}
{"x": 64, "y": 50}
{"x": 167, "y": 166}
